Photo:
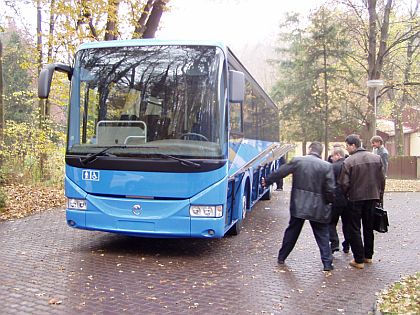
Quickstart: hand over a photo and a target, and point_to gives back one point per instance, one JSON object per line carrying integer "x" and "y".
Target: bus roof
{"x": 151, "y": 42}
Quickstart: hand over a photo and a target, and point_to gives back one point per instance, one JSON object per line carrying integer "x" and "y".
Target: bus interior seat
{"x": 120, "y": 132}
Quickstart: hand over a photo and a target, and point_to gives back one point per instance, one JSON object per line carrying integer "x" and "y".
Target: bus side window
{"x": 235, "y": 112}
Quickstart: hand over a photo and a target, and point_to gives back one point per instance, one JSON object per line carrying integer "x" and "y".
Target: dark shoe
{"x": 280, "y": 261}
{"x": 329, "y": 268}
{"x": 354, "y": 264}
{"x": 279, "y": 189}
{"x": 346, "y": 247}
{"x": 336, "y": 249}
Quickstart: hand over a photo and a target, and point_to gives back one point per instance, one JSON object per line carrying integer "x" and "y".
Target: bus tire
{"x": 236, "y": 228}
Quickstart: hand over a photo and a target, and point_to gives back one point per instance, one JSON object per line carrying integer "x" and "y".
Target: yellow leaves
{"x": 402, "y": 185}
{"x": 401, "y": 297}
{"x": 23, "y": 200}
{"x": 26, "y": 144}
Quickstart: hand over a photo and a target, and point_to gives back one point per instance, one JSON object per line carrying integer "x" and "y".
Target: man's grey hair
{"x": 339, "y": 151}
{"x": 316, "y": 147}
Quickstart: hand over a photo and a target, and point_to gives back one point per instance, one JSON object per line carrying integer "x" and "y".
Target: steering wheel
{"x": 193, "y": 134}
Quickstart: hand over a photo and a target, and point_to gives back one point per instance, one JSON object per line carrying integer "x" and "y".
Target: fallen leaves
{"x": 402, "y": 185}
{"x": 23, "y": 200}
{"x": 402, "y": 297}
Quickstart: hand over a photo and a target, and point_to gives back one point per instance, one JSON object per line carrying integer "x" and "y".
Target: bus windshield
{"x": 165, "y": 98}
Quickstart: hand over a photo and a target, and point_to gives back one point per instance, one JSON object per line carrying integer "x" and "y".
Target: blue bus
{"x": 164, "y": 138}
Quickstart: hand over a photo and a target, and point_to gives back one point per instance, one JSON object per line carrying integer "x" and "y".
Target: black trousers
{"x": 361, "y": 212}
{"x": 321, "y": 234}
{"x": 336, "y": 213}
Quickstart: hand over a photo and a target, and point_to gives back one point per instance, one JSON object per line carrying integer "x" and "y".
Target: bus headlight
{"x": 76, "y": 204}
{"x": 206, "y": 211}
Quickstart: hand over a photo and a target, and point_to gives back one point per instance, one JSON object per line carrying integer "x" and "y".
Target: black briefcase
{"x": 380, "y": 220}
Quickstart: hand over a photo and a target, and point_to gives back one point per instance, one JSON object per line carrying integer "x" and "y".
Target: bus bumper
{"x": 159, "y": 227}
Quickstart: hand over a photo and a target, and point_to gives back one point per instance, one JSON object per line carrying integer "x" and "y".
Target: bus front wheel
{"x": 236, "y": 228}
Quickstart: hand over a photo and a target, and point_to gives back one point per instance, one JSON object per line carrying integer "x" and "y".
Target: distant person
{"x": 312, "y": 193}
{"x": 339, "y": 206}
{"x": 362, "y": 180}
{"x": 379, "y": 148}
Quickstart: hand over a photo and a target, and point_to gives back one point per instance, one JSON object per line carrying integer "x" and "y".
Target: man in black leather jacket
{"x": 312, "y": 194}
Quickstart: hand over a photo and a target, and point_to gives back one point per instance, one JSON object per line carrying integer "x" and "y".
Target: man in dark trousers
{"x": 312, "y": 194}
{"x": 339, "y": 207}
{"x": 362, "y": 180}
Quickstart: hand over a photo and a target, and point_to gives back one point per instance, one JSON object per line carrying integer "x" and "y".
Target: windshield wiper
{"x": 91, "y": 157}
{"x": 86, "y": 160}
{"x": 184, "y": 162}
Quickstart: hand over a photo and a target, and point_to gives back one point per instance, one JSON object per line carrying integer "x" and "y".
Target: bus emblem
{"x": 136, "y": 209}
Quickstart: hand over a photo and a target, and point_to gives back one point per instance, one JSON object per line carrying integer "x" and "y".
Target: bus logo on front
{"x": 90, "y": 175}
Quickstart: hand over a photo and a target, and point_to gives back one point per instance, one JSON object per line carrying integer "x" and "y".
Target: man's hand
{"x": 263, "y": 182}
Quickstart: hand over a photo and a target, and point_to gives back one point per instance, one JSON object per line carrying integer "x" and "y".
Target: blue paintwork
{"x": 165, "y": 198}
{"x": 146, "y": 184}
{"x": 169, "y": 217}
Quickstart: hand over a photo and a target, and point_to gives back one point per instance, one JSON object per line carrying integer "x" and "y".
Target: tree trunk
{"x": 326, "y": 100}
{"x": 50, "y": 49}
{"x": 51, "y": 32}
{"x": 39, "y": 61}
{"x": 399, "y": 131}
{"x": 138, "y": 31}
{"x": 375, "y": 60}
{"x": 42, "y": 111}
{"x": 111, "y": 24}
{"x": 154, "y": 19}
{"x": 86, "y": 15}
{"x": 371, "y": 69}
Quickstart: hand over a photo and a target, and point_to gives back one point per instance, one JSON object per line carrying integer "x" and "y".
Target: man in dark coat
{"x": 339, "y": 207}
{"x": 362, "y": 180}
{"x": 312, "y": 194}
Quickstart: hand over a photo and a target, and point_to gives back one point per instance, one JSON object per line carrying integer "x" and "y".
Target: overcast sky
{"x": 235, "y": 22}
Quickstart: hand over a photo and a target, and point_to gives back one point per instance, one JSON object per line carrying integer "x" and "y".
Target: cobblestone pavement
{"x": 48, "y": 268}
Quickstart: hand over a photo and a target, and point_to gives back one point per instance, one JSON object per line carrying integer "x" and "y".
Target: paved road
{"x": 42, "y": 261}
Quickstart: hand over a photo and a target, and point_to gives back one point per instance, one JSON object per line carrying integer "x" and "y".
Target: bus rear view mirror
{"x": 236, "y": 86}
{"x": 45, "y": 78}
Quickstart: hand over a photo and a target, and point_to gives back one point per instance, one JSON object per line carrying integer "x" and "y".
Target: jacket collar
{"x": 359, "y": 150}
{"x": 315, "y": 154}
